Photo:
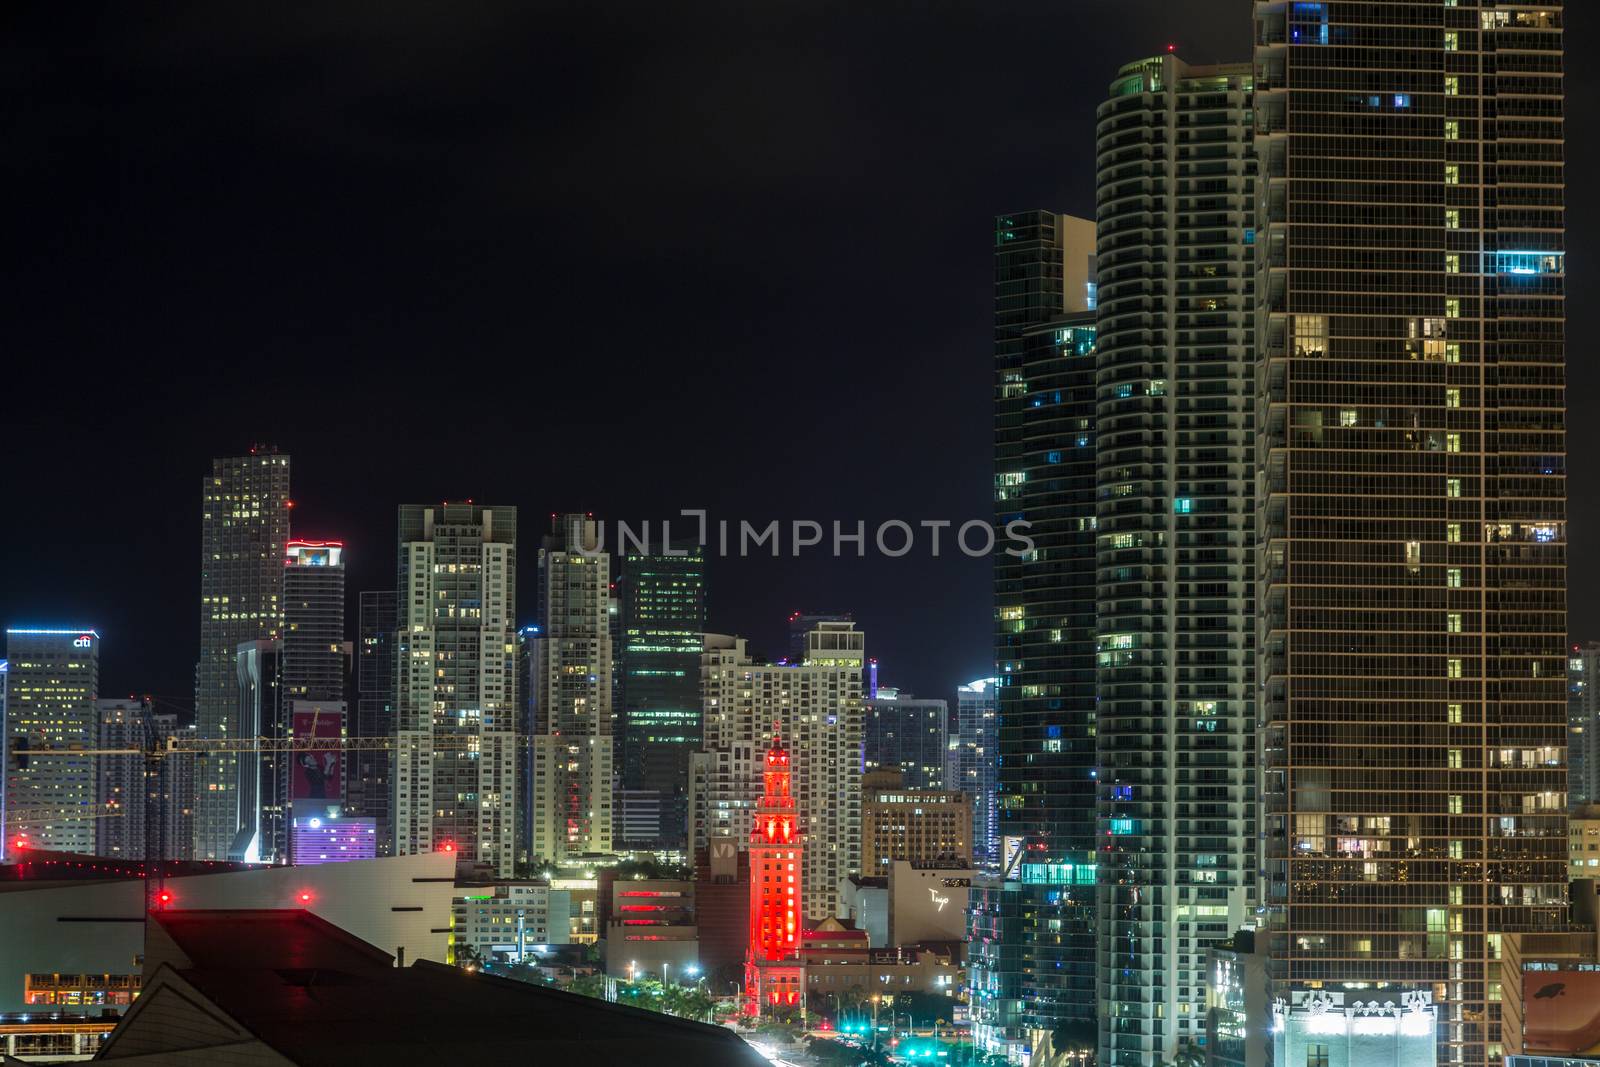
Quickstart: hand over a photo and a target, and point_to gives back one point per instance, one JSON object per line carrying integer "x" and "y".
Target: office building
{"x": 662, "y": 625}
{"x": 142, "y": 808}
{"x": 651, "y": 930}
{"x": 331, "y": 838}
{"x": 313, "y": 690}
{"x": 257, "y": 817}
{"x": 904, "y": 734}
{"x": 1413, "y": 553}
{"x": 1175, "y": 545}
{"x": 571, "y": 745}
{"x": 928, "y": 826}
{"x": 1032, "y": 961}
{"x": 974, "y": 764}
{"x": 370, "y": 777}
{"x": 1583, "y": 848}
{"x": 53, "y": 680}
{"x": 244, "y": 528}
{"x": 1583, "y": 726}
{"x": 815, "y": 705}
{"x": 513, "y": 920}
{"x": 456, "y": 683}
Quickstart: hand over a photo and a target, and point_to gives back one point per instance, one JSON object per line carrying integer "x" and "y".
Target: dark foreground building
{"x": 285, "y": 987}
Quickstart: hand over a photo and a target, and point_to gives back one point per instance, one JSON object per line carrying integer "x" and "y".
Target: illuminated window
{"x": 1452, "y": 131}
{"x": 1452, "y": 623}
{"x": 1453, "y": 756}
{"x": 1452, "y": 531}
{"x": 1452, "y": 41}
{"x": 1452, "y": 713}
{"x": 1452, "y": 174}
{"x": 1452, "y": 442}
{"x": 1452, "y": 398}
{"x": 1452, "y": 219}
{"x": 1452, "y": 578}
{"x": 1316, "y": 1055}
{"x": 1452, "y": 308}
{"x": 1452, "y": 352}
{"x": 1310, "y": 336}
{"x": 1452, "y": 487}
{"x": 1347, "y": 417}
{"x": 1452, "y": 263}
{"x": 1452, "y": 85}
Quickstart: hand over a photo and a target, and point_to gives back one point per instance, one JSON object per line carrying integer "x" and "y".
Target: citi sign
{"x": 82, "y": 642}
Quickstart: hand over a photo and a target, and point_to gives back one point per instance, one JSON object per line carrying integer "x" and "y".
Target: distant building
{"x": 370, "y": 783}
{"x": 128, "y": 788}
{"x": 774, "y": 970}
{"x": 928, "y": 903}
{"x": 571, "y": 811}
{"x": 927, "y": 826}
{"x": 722, "y": 903}
{"x": 511, "y": 920}
{"x": 662, "y": 599}
{"x": 902, "y": 733}
{"x": 1583, "y": 725}
{"x": 651, "y": 929}
{"x": 976, "y": 762}
{"x": 331, "y": 838}
{"x": 456, "y": 691}
{"x": 1346, "y": 1029}
{"x": 864, "y": 903}
{"x": 1583, "y": 834}
{"x": 53, "y": 680}
{"x": 244, "y": 529}
{"x": 816, "y": 707}
{"x": 1237, "y": 1022}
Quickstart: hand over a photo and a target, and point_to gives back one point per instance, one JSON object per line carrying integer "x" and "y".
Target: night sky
{"x": 591, "y": 256}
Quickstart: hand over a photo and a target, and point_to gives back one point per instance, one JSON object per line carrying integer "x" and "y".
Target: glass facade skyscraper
{"x": 1413, "y": 556}
{"x": 1032, "y": 951}
{"x": 244, "y": 527}
{"x": 663, "y": 621}
{"x": 905, "y": 734}
{"x": 1175, "y": 518}
{"x": 54, "y": 680}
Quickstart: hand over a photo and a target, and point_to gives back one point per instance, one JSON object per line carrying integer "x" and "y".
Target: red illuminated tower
{"x": 773, "y": 973}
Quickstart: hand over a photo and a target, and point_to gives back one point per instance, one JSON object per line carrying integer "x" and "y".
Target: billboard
{"x": 1561, "y": 1013}
{"x": 317, "y": 775}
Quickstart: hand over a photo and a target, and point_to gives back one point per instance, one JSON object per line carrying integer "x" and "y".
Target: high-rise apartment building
{"x": 1583, "y": 726}
{"x": 663, "y": 621}
{"x": 974, "y": 764}
{"x": 1175, "y": 546}
{"x": 902, "y": 733}
{"x": 571, "y": 809}
{"x": 244, "y": 527}
{"x": 456, "y": 683}
{"x": 142, "y": 807}
{"x": 815, "y": 706}
{"x": 369, "y": 788}
{"x": 53, "y": 682}
{"x": 1032, "y": 953}
{"x": 1413, "y": 540}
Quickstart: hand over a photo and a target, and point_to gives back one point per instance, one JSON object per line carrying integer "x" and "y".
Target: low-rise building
{"x": 511, "y": 920}
{"x": 650, "y": 928}
{"x": 920, "y": 825}
{"x": 865, "y": 902}
{"x": 927, "y": 902}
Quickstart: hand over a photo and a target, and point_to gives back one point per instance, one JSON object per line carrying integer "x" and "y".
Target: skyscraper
{"x": 1175, "y": 536}
{"x": 815, "y": 706}
{"x": 244, "y": 526}
{"x": 902, "y": 733}
{"x": 975, "y": 765}
{"x": 1413, "y": 642}
{"x": 368, "y": 794}
{"x": 571, "y": 809}
{"x": 54, "y": 679}
{"x": 315, "y": 666}
{"x": 1583, "y": 726}
{"x": 130, "y": 792}
{"x": 663, "y": 604}
{"x": 1032, "y": 954}
{"x": 456, "y": 683}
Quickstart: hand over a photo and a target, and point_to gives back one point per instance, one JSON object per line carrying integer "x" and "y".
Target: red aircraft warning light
{"x": 305, "y": 896}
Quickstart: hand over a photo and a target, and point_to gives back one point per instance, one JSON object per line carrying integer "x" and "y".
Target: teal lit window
{"x": 1183, "y": 505}
{"x": 1123, "y": 827}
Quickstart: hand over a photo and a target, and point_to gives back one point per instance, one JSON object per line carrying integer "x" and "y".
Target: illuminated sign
{"x": 85, "y": 641}
{"x": 938, "y": 899}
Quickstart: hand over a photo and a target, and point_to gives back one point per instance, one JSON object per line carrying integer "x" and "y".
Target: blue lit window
{"x": 1529, "y": 262}
{"x": 1091, "y": 294}
{"x": 1250, "y": 236}
{"x": 1052, "y": 457}
{"x": 1123, "y": 792}
{"x": 1052, "y": 731}
{"x": 1125, "y": 390}
{"x": 1402, "y": 99}
{"x": 1308, "y": 23}
{"x": 1083, "y": 440}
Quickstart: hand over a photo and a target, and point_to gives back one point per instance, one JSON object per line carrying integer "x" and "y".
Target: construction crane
{"x": 158, "y": 748}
